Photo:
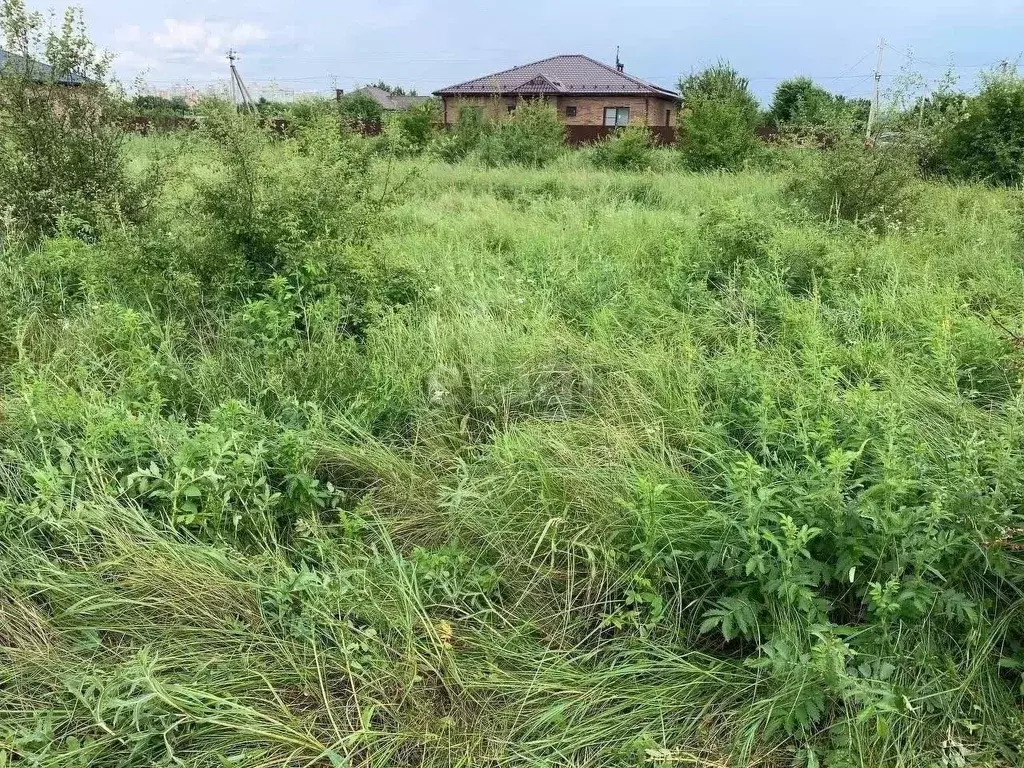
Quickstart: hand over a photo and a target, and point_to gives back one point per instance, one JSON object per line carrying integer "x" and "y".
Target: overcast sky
{"x": 310, "y": 45}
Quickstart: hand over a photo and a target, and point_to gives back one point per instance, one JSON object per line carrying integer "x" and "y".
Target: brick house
{"x": 585, "y": 92}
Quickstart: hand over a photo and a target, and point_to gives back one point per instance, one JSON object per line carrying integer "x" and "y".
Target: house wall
{"x": 643, "y": 110}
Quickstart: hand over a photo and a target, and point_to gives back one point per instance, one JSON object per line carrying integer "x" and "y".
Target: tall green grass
{"x": 587, "y": 468}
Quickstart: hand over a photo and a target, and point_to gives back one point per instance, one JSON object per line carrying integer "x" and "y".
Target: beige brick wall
{"x": 643, "y": 110}
{"x": 494, "y": 107}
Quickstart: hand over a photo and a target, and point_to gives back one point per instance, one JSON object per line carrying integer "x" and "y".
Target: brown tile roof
{"x": 567, "y": 74}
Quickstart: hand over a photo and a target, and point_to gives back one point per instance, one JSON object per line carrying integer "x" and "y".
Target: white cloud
{"x": 181, "y": 35}
{"x": 206, "y": 38}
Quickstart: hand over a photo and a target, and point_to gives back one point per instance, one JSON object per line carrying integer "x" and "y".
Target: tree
{"x": 60, "y": 135}
{"x": 719, "y": 119}
{"x": 799, "y": 101}
{"x": 394, "y": 90}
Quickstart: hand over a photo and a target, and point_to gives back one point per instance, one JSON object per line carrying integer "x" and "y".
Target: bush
{"x": 719, "y": 120}
{"x": 462, "y": 138}
{"x": 418, "y": 125}
{"x": 629, "y": 149}
{"x": 532, "y": 135}
{"x": 60, "y": 156}
{"x": 269, "y": 209}
{"x": 869, "y": 185}
{"x": 988, "y": 144}
{"x": 360, "y": 111}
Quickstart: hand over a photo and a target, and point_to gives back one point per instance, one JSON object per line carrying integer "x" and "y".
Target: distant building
{"x": 36, "y": 70}
{"x": 584, "y": 91}
{"x": 388, "y": 101}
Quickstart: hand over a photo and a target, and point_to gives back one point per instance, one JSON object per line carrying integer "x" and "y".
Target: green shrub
{"x": 628, "y": 149}
{"x": 988, "y": 143}
{"x": 463, "y": 137}
{"x": 359, "y": 110}
{"x": 532, "y": 135}
{"x": 418, "y": 125}
{"x": 268, "y": 208}
{"x": 60, "y": 145}
{"x": 718, "y": 121}
{"x": 871, "y": 185}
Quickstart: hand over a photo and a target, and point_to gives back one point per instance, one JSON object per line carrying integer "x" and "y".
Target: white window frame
{"x": 619, "y": 117}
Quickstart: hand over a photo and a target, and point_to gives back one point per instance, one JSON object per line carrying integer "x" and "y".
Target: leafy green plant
{"x": 532, "y": 135}
{"x": 418, "y": 125}
{"x": 874, "y": 185}
{"x": 61, "y": 161}
{"x": 360, "y": 110}
{"x": 270, "y": 213}
{"x": 987, "y": 142}
{"x": 629, "y": 149}
{"x": 719, "y": 119}
{"x": 463, "y": 137}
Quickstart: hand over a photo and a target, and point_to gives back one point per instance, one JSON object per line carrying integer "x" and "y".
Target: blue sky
{"x": 310, "y": 45}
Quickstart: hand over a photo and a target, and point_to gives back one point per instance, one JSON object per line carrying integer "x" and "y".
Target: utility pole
{"x": 231, "y": 75}
{"x": 873, "y": 112}
{"x": 239, "y": 84}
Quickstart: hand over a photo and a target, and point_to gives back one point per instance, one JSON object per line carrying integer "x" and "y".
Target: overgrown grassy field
{"x": 568, "y": 468}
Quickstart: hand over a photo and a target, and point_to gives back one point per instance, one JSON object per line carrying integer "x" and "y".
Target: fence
{"x": 577, "y": 135}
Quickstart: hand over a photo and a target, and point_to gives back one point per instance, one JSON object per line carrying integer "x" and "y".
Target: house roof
{"x": 566, "y": 74}
{"x": 390, "y": 101}
{"x": 37, "y": 70}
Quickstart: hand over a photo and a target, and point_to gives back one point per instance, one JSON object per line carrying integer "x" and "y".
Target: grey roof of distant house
{"x": 390, "y": 101}
{"x": 39, "y": 72}
{"x": 567, "y": 74}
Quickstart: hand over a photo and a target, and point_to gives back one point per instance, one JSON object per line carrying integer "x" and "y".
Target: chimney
{"x": 618, "y": 64}
{"x": 338, "y": 93}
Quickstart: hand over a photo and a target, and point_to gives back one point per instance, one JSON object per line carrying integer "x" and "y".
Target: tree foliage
{"x": 418, "y": 125}
{"x": 719, "y": 119}
{"x": 872, "y": 185}
{"x": 161, "y": 106}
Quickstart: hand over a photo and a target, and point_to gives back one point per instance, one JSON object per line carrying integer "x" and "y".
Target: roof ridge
{"x": 573, "y": 70}
{"x": 631, "y": 78}
{"x": 506, "y": 71}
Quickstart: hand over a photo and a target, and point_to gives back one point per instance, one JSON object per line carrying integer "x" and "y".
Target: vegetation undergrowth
{"x": 339, "y": 459}
{"x": 545, "y": 471}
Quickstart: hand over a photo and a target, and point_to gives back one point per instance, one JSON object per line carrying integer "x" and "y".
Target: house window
{"x": 570, "y": 111}
{"x": 668, "y": 117}
{"x": 616, "y": 116}
{"x": 511, "y": 108}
